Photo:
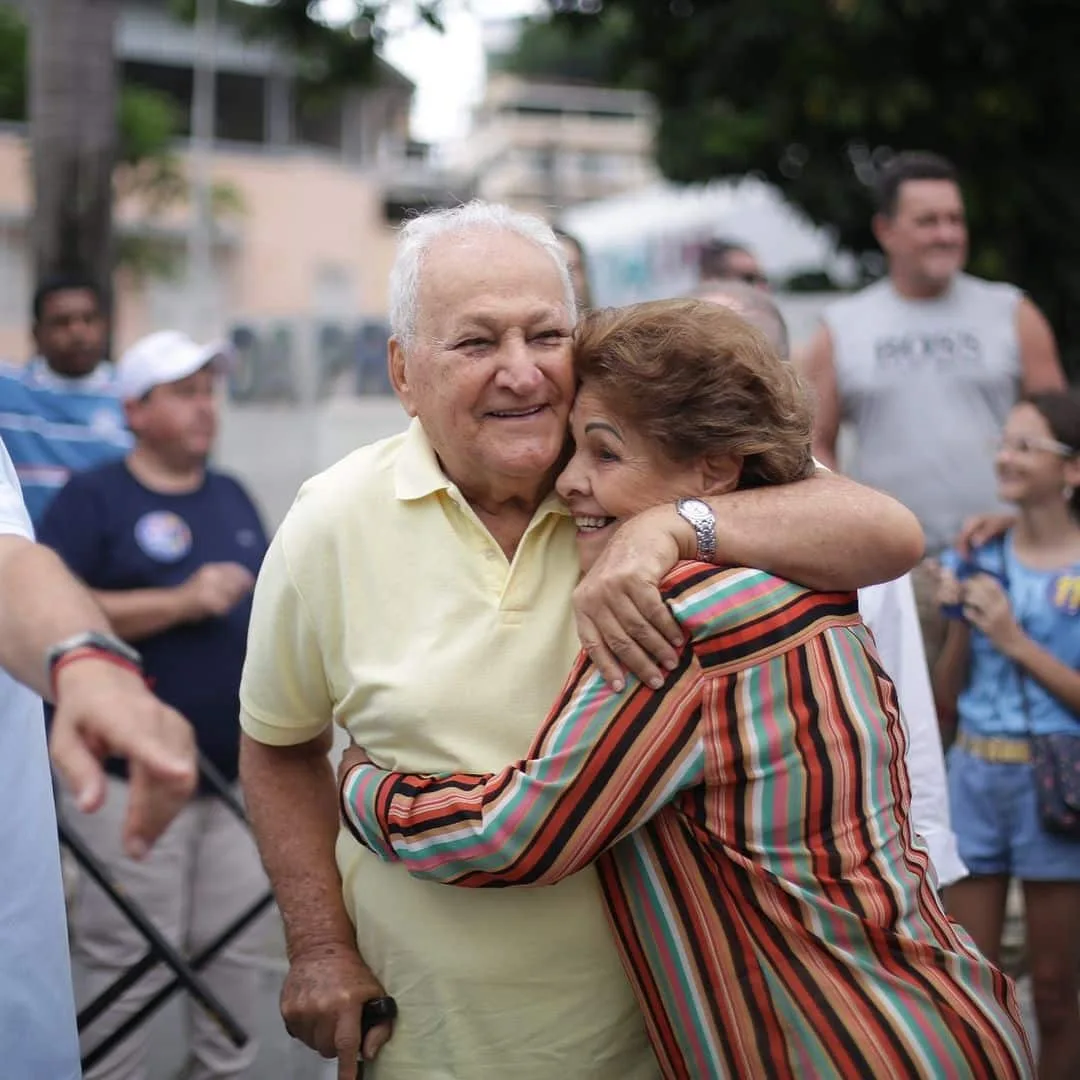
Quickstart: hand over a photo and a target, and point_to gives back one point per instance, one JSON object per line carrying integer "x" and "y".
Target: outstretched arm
{"x": 827, "y": 532}
{"x": 603, "y": 764}
{"x": 101, "y": 709}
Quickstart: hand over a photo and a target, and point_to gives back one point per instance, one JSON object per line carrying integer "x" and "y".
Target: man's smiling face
{"x": 489, "y": 370}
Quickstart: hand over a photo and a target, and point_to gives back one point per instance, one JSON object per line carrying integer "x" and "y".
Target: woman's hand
{"x": 987, "y": 608}
{"x": 981, "y": 529}
{"x": 353, "y": 756}
{"x": 622, "y": 620}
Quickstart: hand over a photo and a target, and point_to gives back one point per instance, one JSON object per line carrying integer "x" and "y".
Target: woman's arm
{"x": 951, "y": 669}
{"x": 1056, "y": 677}
{"x": 603, "y": 764}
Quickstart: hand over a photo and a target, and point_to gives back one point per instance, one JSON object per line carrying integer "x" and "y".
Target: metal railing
{"x": 160, "y": 950}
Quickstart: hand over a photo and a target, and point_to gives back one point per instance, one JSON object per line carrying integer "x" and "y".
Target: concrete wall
{"x": 273, "y": 449}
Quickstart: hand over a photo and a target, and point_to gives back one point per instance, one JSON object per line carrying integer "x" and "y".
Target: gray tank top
{"x": 927, "y": 385}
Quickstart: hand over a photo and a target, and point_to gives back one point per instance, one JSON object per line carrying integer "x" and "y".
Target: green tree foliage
{"x": 332, "y": 56}
{"x": 814, "y": 94}
{"x": 147, "y": 167}
{"x": 581, "y": 50}
{"x": 12, "y": 65}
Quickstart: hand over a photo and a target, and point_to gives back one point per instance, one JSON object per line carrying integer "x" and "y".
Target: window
{"x": 318, "y": 122}
{"x": 174, "y": 82}
{"x": 241, "y": 108}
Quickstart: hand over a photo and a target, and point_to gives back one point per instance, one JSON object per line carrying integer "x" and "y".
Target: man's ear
{"x": 398, "y": 369}
{"x": 881, "y": 226}
{"x": 720, "y": 473}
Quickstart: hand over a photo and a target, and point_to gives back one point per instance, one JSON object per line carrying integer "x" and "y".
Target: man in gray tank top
{"x": 926, "y": 363}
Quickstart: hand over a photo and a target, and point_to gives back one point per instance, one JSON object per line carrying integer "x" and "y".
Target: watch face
{"x": 696, "y": 511}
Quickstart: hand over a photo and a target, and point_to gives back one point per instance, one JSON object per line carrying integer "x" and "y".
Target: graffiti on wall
{"x": 646, "y": 268}
{"x": 292, "y": 360}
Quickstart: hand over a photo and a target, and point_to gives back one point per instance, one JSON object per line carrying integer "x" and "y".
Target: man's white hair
{"x": 419, "y": 233}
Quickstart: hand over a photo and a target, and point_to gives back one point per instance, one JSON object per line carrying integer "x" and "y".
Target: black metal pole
{"x": 198, "y": 961}
{"x": 222, "y": 788}
{"x": 150, "y": 960}
{"x": 158, "y": 943}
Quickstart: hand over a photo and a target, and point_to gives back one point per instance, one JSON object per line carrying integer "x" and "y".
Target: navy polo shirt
{"x": 116, "y": 534}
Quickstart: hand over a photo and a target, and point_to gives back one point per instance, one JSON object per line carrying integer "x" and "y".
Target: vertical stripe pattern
{"x": 750, "y": 826}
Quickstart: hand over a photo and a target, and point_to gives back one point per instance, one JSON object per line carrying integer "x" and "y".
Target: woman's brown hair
{"x": 696, "y": 380}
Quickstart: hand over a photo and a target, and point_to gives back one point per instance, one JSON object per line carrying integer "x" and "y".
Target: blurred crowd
{"x": 764, "y": 659}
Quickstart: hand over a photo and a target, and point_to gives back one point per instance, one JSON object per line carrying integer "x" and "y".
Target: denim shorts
{"x": 995, "y": 817}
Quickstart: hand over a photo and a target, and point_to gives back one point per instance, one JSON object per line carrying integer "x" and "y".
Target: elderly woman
{"x": 749, "y": 820}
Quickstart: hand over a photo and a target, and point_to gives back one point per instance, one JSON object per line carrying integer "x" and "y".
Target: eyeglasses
{"x": 1025, "y": 444}
{"x": 750, "y": 278}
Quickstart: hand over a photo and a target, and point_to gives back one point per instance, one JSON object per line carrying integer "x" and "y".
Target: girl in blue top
{"x": 1011, "y": 665}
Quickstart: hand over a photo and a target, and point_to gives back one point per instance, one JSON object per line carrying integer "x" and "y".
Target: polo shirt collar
{"x": 417, "y": 474}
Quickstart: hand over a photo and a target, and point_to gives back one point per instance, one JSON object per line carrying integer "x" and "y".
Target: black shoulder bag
{"x": 1056, "y": 761}
{"x": 1056, "y": 765}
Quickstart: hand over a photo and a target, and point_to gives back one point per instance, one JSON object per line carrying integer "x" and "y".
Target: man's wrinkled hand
{"x": 622, "y": 620}
{"x": 102, "y": 711}
{"x": 322, "y": 1001}
{"x": 353, "y": 756}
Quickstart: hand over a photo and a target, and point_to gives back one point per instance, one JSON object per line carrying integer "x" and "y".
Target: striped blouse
{"x": 749, "y": 823}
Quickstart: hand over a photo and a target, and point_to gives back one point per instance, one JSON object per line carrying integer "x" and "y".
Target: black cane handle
{"x": 380, "y": 1010}
{"x": 377, "y": 1011}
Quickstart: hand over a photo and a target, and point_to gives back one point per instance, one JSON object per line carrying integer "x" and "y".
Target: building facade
{"x": 319, "y": 182}
{"x": 545, "y": 146}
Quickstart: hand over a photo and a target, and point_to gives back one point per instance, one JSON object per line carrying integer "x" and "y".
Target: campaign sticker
{"x": 163, "y": 535}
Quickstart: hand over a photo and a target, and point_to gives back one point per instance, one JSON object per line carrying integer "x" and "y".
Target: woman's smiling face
{"x": 615, "y": 473}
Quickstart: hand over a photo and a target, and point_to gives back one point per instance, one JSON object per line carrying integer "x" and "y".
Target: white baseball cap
{"x": 164, "y": 357}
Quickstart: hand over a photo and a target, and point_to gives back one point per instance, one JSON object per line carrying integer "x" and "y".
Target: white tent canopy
{"x": 644, "y": 245}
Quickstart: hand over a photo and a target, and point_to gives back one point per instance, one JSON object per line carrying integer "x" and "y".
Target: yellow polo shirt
{"x": 385, "y": 605}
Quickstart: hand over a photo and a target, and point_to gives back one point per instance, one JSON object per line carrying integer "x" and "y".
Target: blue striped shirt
{"x": 54, "y": 426}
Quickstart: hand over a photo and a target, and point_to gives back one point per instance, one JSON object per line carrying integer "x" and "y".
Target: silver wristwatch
{"x": 92, "y": 640}
{"x": 701, "y": 517}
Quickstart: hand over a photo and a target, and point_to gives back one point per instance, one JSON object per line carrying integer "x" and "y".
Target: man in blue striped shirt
{"x": 59, "y": 413}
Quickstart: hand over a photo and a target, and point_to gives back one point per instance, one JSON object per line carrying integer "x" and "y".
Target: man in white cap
{"x": 170, "y": 549}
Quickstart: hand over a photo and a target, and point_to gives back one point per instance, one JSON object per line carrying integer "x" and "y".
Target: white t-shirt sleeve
{"x": 890, "y": 612}
{"x": 14, "y": 520}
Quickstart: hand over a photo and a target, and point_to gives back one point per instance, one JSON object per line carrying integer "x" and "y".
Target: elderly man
{"x": 419, "y": 594}
{"x": 890, "y": 612}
